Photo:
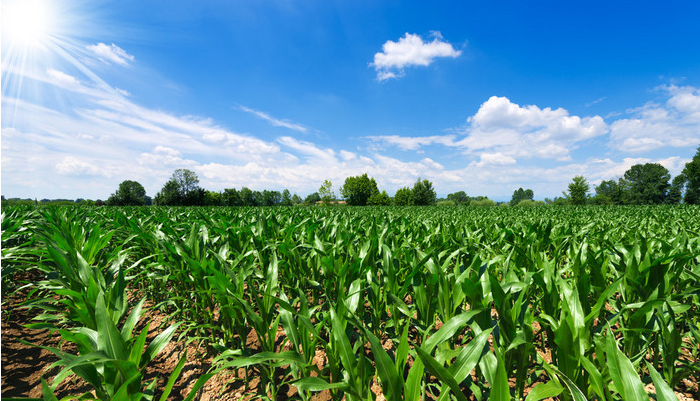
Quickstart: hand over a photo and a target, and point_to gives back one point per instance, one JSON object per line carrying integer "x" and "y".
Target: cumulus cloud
{"x": 274, "y": 121}
{"x": 501, "y": 127}
{"x": 675, "y": 123}
{"x": 111, "y": 53}
{"x": 410, "y": 50}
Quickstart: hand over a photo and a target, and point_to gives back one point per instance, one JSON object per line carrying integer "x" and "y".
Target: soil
{"x": 23, "y": 366}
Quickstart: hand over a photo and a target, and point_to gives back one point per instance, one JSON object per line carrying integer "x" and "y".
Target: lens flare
{"x": 27, "y": 22}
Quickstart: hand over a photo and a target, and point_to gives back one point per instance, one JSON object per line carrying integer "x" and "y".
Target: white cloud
{"x": 494, "y": 159}
{"x": 652, "y": 126}
{"x": 275, "y": 121}
{"x": 62, "y": 77}
{"x": 414, "y": 142}
{"x": 123, "y": 92}
{"x": 409, "y": 51}
{"x": 72, "y": 166}
{"x": 111, "y": 53}
{"x": 501, "y": 127}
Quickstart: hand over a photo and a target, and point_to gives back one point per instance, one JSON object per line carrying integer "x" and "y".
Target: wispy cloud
{"x": 111, "y": 53}
{"x": 675, "y": 123}
{"x": 274, "y": 121}
{"x": 410, "y": 50}
{"x": 591, "y": 103}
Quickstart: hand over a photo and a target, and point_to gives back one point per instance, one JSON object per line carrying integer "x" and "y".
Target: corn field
{"x": 591, "y": 303}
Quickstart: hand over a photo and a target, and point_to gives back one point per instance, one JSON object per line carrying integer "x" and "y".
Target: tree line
{"x": 642, "y": 184}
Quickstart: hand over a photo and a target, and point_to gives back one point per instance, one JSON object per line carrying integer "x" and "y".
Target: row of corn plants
{"x": 413, "y": 303}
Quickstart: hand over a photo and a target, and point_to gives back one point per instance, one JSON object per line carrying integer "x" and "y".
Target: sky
{"x": 481, "y": 97}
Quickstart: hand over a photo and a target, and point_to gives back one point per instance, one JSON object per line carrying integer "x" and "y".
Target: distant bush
{"x": 482, "y": 202}
{"x": 529, "y": 203}
{"x": 446, "y": 203}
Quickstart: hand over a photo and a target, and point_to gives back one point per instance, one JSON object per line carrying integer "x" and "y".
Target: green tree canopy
{"x": 520, "y": 195}
{"x": 286, "y": 198}
{"x": 459, "y": 197}
{"x": 646, "y": 184}
{"x": 403, "y": 197}
{"x": 423, "y": 193}
{"x": 181, "y": 190}
{"x": 357, "y": 190}
{"x": 379, "y": 199}
{"x": 129, "y": 193}
{"x": 312, "y": 198}
{"x": 231, "y": 197}
{"x": 247, "y": 196}
{"x": 675, "y": 192}
{"x": 609, "y": 192}
{"x": 326, "y": 192}
{"x": 578, "y": 191}
{"x": 692, "y": 174}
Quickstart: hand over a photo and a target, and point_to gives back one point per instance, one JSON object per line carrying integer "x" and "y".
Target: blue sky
{"x": 483, "y": 97}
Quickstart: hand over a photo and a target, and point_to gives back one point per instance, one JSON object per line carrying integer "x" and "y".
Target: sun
{"x": 27, "y": 22}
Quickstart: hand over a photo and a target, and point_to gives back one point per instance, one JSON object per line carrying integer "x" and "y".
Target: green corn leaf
{"x": 131, "y": 321}
{"x": 575, "y": 393}
{"x": 663, "y": 390}
{"x": 158, "y": 344}
{"x": 347, "y": 356}
{"x": 544, "y": 390}
{"x": 198, "y": 384}
{"x": 109, "y": 339}
{"x": 47, "y": 392}
{"x": 136, "y": 351}
{"x": 318, "y": 384}
{"x": 449, "y": 329}
{"x": 469, "y": 356}
{"x": 595, "y": 376}
{"x": 500, "y": 391}
{"x": 173, "y": 377}
{"x": 391, "y": 384}
{"x": 440, "y": 372}
{"x": 412, "y": 386}
{"x": 623, "y": 373}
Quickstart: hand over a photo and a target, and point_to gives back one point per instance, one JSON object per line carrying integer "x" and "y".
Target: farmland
{"x": 494, "y": 303}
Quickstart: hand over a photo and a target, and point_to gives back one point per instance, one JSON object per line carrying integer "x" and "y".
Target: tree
{"x": 312, "y": 198}
{"x": 423, "y": 193}
{"x": 326, "y": 192}
{"x": 358, "y": 190}
{"x": 182, "y": 190}
{"x": 231, "y": 197}
{"x": 608, "y": 193}
{"x": 379, "y": 199}
{"x": 286, "y": 198}
{"x": 169, "y": 195}
{"x": 270, "y": 198}
{"x": 296, "y": 199}
{"x": 692, "y": 174}
{"x": 129, "y": 193}
{"x": 403, "y": 197}
{"x": 247, "y": 197}
{"x": 458, "y": 198}
{"x": 212, "y": 198}
{"x": 647, "y": 184}
{"x": 578, "y": 191}
{"x": 520, "y": 195}
{"x": 675, "y": 193}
